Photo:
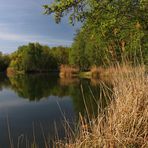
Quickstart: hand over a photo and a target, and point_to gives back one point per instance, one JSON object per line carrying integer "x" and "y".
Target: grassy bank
{"x": 124, "y": 123}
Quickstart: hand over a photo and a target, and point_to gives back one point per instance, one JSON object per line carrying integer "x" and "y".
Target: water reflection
{"x": 4, "y": 81}
{"x": 34, "y": 98}
{"x": 84, "y": 93}
{"x": 33, "y": 87}
{"x": 88, "y": 99}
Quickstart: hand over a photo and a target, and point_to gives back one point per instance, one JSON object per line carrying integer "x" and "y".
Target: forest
{"x": 112, "y": 40}
{"x": 37, "y": 58}
{"x": 112, "y": 31}
{"x": 118, "y": 34}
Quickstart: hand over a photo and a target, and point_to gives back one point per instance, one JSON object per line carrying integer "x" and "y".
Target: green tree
{"x": 61, "y": 54}
{"x": 117, "y": 30}
{"x": 4, "y": 62}
{"x": 38, "y": 58}
{"x": 17, "y": 58}
{"x": 78, "y": 53}
{"x": 32, "y": 58}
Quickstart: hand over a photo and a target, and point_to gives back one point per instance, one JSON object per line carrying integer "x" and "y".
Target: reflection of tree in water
{"x": 32, "y": 87}
{"x": 4, "y": 81}
{"x": 37, "y": 86}
{"x": 87, "y": 94}
{"x": 87, "y": 97}
{"x": 69, "y": 81}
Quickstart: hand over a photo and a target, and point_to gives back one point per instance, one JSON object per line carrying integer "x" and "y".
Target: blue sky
{"x": 22, "y": 21}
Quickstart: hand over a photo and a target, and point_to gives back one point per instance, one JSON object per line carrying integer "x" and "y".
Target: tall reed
{"x": 124, "y": 123}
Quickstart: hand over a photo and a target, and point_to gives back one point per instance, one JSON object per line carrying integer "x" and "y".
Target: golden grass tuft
{"x": 124, "y": 123}
{"x": 67, "y": 71}
{"x": 96, "y": 71}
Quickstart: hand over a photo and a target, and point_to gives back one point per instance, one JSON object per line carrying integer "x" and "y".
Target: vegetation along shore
{"x": 111, "y": 45}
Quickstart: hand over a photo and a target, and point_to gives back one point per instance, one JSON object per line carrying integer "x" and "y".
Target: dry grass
{"x": 67, "y": 71}
{"x": 99, "y": 72}
{"x": 96, "y": 71}
{"x": 125, "y": 121}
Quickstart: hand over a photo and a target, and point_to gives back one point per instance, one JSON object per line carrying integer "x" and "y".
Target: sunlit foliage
{"x": 112, "y": 31}
{"x": 37, "y": 58}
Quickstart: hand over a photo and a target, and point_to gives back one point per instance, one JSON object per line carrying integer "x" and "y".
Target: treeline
{"x": 38, "y": 58}
{"x": 113, "y": 31}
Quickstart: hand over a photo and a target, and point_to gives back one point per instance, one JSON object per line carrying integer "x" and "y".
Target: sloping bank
{"x": 124, "y": 123}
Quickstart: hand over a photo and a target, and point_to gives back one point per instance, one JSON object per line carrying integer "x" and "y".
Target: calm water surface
{"x": 35, "y": 104}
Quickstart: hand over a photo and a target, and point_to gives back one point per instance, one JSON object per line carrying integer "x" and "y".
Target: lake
{"x": 34, "y": 107}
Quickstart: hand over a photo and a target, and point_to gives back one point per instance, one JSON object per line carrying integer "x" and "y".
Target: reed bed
{"x": 124, "y": 123}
